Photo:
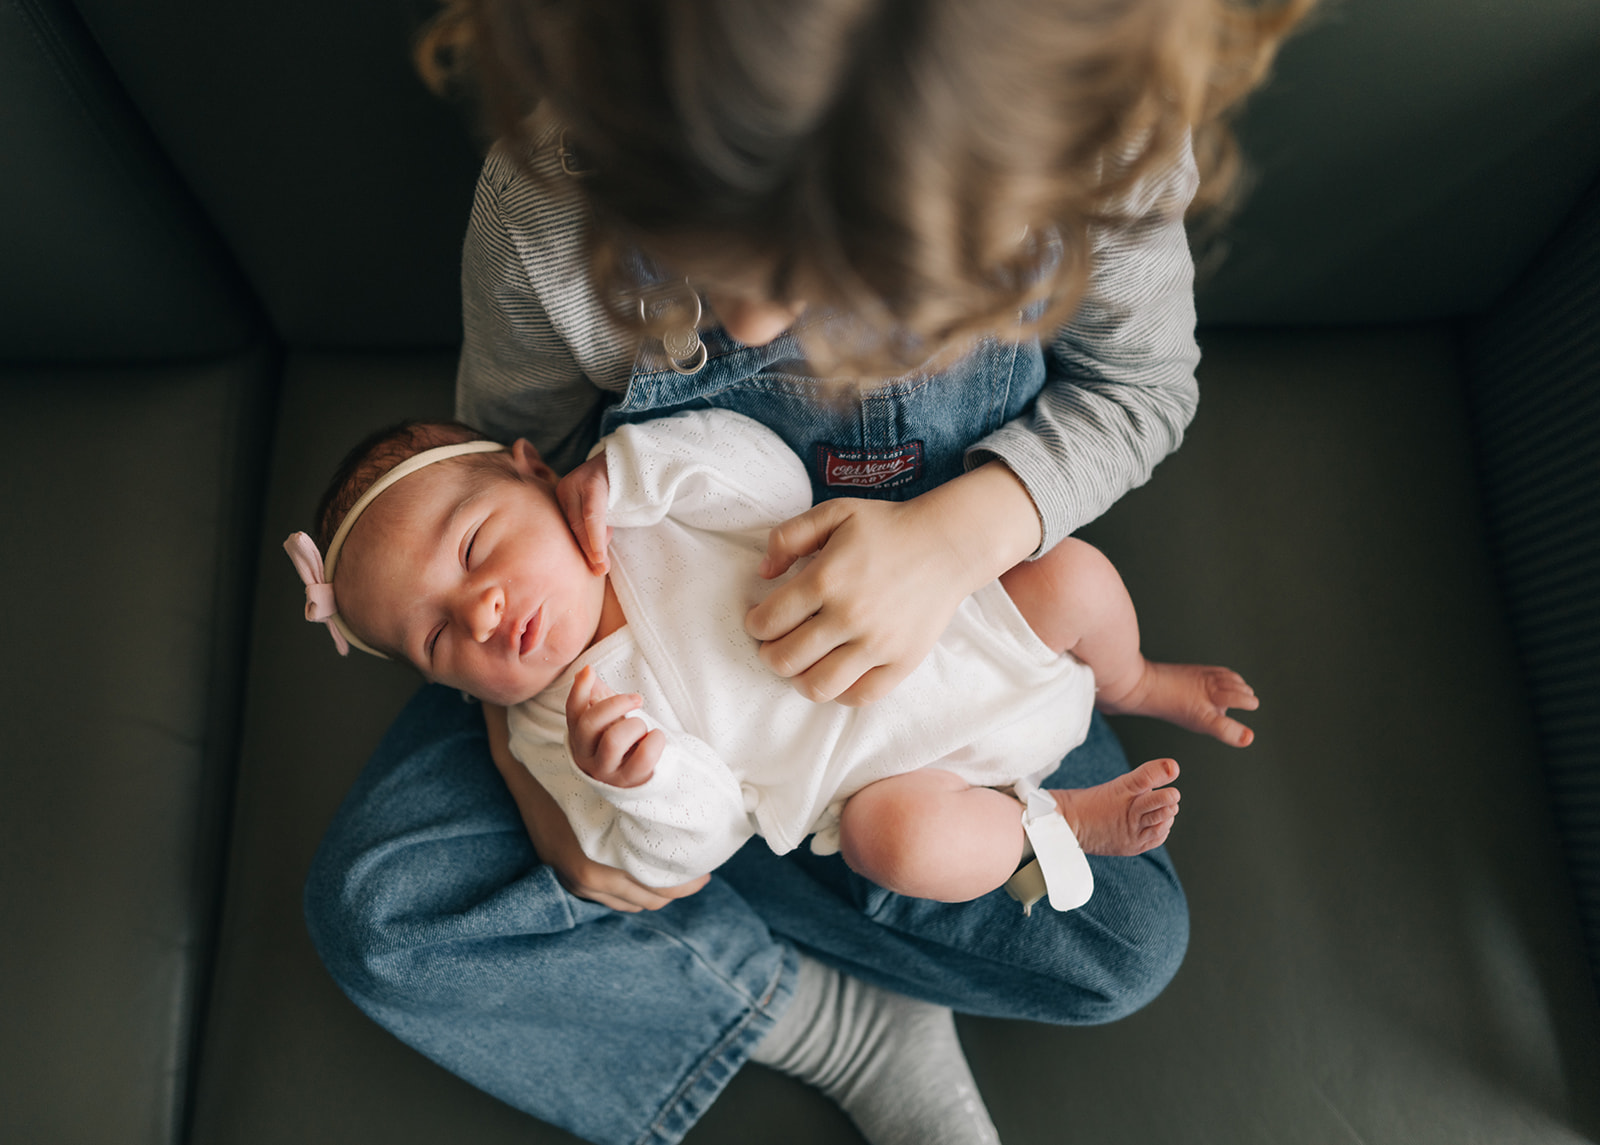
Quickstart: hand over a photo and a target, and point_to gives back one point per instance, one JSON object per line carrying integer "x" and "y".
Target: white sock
{"x": 892, "y": 1063}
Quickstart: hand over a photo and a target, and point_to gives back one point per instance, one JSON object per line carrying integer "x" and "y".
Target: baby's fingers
{"x": 581, "y": 695}
{"x": 616, "y": 741}
{"x": 639, "y": 761}
{"x": 587, "y": 687}
{"x": 591, "y": 724}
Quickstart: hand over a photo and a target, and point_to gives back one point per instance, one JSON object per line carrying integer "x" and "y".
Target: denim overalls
{"x": 432, "y": 912}
{"x": 893, "y": 442}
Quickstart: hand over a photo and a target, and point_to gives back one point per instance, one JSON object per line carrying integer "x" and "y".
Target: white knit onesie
{"x": 692, "y": 500}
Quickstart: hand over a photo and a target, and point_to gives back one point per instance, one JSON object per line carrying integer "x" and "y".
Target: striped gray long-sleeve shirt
{"x": 542, "y": 357}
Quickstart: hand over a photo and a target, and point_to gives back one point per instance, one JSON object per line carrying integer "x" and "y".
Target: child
{"x": 1009, "y": 178}
{"x": 469, "y": 570}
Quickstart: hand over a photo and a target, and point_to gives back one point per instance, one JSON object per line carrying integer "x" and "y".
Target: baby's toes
{"x": 1157, "y": 816}
{"x": 1232, "y": 732}
{"x": 1162, "y": 800}
{"x": 1244, "y": 700}
{"x": 1155, "y": 834}
{"x": 1155, "y": 773}
{"x": 1227, "y": 687}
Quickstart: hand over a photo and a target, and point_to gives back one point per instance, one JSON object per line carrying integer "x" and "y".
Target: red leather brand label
{"x": 870, "y": 468}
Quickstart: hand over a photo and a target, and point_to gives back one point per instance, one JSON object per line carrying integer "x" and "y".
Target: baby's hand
{"x": 607, "y": 744}
{"x": 583, "y": 495}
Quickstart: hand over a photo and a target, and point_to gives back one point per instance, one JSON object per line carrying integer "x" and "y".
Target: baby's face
{"x": 475, "y": 578}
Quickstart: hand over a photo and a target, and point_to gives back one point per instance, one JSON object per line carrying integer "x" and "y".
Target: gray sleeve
{"x": 1119, "y": 385}
{"x": 518, "y": 375}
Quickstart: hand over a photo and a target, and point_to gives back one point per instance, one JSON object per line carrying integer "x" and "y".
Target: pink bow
{"x": 320, "y": 605}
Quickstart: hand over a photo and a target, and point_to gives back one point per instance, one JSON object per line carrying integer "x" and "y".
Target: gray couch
{"x": 228, "y": 245}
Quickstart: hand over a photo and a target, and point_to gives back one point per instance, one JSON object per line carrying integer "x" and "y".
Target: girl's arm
{"x": 1120, "y": 383}
{"x": 557, "y": 845}
{"x": 538, "y": 349}
{"x": 1119, "y": 392}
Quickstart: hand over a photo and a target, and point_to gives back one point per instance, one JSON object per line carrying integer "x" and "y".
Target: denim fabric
{"x": 893, "y": 442}
{"x": 431, "y": 910}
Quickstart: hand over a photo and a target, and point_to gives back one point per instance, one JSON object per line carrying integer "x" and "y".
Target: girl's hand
{"x": 583, "y": 495}
{"x": 558, "y": 847}
{"x": 607, "y": 745}
{"x": 887, "y": 578}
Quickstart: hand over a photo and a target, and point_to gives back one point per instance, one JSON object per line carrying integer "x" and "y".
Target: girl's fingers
{"x": 621, "y": 894}
{"x": 595, "y": 535}
{"x": 802, "y": 648}
{"x": 617, "y": 890}
{"x": 801, "y": 536}
{"x": 786, "y": 609}
{"x": 583, "y": 495}
{"x": 873, "y": 686}
{"x": 833, "y": 674}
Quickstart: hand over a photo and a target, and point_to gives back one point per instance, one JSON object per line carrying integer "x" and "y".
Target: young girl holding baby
{"x": 855, "y": 189}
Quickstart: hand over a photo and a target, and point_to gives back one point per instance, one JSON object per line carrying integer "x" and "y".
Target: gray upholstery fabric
{"x": 1409, "y": 159}
{"x": 104, "y": 255}
{"x": 1534, "y": 362}
{"x": 1384, "y": 944}
{"x": 129, "y": 496}
{"x": 341, "y": 185}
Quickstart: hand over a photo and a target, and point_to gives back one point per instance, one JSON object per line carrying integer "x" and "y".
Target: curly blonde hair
{"x": 931, "y": 167}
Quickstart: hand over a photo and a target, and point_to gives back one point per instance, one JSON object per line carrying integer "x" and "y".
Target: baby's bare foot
{"x": 1193, "y": 696}
{"x": 1127, "y": 816}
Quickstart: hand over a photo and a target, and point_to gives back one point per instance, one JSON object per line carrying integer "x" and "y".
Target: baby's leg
{"x": 1074, "y": 600}
{"x": 930, "y": 834}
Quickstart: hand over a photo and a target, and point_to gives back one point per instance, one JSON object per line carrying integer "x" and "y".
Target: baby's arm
{"x": 683, "y": 820}
{"x": 557, "y": 845}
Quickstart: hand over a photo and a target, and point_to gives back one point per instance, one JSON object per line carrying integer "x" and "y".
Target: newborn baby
{"x": 639, "y": 702}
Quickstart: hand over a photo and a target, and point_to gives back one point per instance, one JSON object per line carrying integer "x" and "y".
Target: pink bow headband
{"x": 321, "y": 608}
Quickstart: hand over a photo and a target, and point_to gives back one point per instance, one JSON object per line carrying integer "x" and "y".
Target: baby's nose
{"x": 486, "y": 610}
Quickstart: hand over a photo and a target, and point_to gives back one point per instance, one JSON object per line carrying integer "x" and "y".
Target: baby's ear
{"x": 525, "y": 460}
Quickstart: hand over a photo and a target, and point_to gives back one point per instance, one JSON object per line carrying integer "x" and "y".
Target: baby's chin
{"x": 499, "y": 692}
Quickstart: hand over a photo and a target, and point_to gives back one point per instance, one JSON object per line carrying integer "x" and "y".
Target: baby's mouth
{"x": 531, "y": 632}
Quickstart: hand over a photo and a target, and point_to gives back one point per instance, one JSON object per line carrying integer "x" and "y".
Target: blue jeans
{"x": 431, "y": 910}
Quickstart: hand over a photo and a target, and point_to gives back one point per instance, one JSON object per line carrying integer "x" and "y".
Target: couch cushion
{"x": 1384, "y": 941}
{"x": 1409, "y": 160}
{"x": 1534, "y": 362}
{"x": 128, "y": 493}
{"x": 106, "y": 256}
{"x": 340, "y": 183}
